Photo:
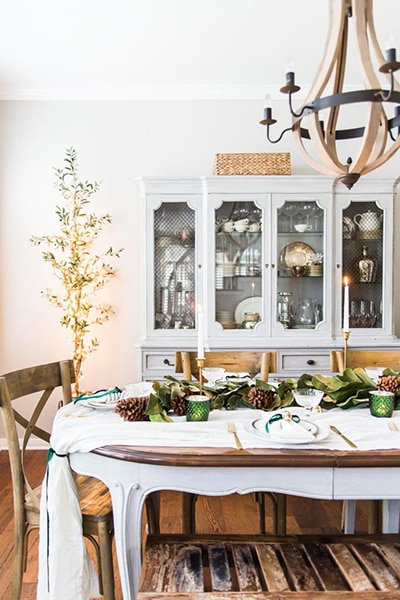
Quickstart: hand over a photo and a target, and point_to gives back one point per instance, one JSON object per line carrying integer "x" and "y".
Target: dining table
{"x": 135, "y": 459}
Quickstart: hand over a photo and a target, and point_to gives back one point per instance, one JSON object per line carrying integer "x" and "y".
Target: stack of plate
{"x": 219, "y": 277}
{"x": 229, "y": 269}
{"x": 225, "y": 318}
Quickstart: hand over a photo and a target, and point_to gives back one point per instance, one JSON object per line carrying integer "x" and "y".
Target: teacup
{"x": 228, "y": 226}
{"x": 302, "y": 227}
{"x": 241, "y": 225}
{"x": 255, "y": 226}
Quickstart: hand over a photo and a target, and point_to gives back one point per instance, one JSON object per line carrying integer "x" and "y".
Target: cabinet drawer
{"x": 302, "y": 362}
{"x": 159, "y": 361}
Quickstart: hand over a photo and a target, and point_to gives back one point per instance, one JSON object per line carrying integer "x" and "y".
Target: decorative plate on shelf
{"x": 250, "y": 305}
{"x": 296, "y": 254}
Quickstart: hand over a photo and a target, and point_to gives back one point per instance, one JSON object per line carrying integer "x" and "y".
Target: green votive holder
{"x": 197, "y": 408}
{"x": 381, "y": 403}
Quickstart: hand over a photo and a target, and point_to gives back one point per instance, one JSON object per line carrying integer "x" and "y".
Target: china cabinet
{"x": 265, "y": 259}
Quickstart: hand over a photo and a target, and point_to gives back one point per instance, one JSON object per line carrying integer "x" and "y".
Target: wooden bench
{"x": 313, "y": 567}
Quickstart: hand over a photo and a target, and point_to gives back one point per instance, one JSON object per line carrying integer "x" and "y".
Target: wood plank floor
{"x": 231, "y": 514}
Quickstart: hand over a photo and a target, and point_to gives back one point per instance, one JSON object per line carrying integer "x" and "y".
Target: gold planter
{"x": 315, "y": 270}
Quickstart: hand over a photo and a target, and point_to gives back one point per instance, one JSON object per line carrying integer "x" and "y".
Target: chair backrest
{"x": 365, "y": 358}
{"x": 43, "y": 380}
{"x": 235, "y": 362}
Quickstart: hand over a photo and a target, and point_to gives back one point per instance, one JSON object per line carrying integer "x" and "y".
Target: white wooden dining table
{"x": 136, "y": 459}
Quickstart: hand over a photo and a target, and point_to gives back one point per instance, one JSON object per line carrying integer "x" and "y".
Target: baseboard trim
{"x": 33, "y": 444}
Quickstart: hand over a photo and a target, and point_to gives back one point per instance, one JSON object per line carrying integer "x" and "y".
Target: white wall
{"x": 116, "y": 142}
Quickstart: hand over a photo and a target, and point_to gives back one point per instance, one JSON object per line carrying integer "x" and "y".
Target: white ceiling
{"x": 128, "y": 49}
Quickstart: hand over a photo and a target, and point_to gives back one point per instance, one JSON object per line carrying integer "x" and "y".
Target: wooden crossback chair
{"x": 250, "y": 362}
{"x": 364, "y": 359}
{"x": 97, "y": 518}
{"x": 253, "y": 363}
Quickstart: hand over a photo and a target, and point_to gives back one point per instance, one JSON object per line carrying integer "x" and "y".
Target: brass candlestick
{"x": 200, "y": 364}
{"x": 346, "y": 335}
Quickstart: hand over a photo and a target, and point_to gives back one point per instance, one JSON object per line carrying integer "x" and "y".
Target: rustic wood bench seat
{"x": 308, "y": 567}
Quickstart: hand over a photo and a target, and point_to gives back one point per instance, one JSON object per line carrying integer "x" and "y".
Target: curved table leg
{"x": 128, "y": 539}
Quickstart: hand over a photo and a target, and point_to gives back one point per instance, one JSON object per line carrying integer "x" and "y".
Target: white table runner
{"x": 64, "y": 569}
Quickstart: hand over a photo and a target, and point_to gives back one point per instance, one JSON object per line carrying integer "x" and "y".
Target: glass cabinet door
{"x": 174, "y": 266}
{"x": 300, "y": 239}
{"x": 238, "y": 265}
{"x": 362, "y": 256}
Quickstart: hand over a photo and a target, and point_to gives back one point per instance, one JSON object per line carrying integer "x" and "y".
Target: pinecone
{"x": 177, "y": 405}
{"x": 132, "y": 409}
{"x": 389, "y": 383}
{"x": 261, "y": 398}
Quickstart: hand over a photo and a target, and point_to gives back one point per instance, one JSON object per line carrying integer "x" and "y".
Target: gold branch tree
{"x": 80, "y": 269}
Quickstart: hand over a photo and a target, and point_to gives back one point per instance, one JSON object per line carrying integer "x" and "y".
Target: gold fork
{"x": 393, "y": 426}
{"x": 232, "y": 429}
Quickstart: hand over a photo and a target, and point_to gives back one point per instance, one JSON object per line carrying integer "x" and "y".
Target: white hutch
{"x": 265, "y": 258}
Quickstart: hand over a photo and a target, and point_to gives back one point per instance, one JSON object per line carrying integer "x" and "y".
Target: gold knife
{"x": 346, "y": 439}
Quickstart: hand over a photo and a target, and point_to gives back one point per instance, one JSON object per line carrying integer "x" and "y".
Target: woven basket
{"x": 277, "y": 163}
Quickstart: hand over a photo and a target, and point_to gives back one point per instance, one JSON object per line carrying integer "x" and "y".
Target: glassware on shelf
{"x": 318, "y": 218}
{"x": 291, "y": 209}
{"x": 306, "y": 210}
{"x": 283, "y": 309}
{"x": 363, "y": 313}
{"x": 302, "y": 312}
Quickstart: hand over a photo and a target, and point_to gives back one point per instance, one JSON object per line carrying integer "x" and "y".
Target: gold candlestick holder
{"x": 200, "y": 364}
{"x": 346, "y": 335}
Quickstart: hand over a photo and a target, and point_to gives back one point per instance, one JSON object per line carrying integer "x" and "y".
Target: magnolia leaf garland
{"x": 345, "y": 390}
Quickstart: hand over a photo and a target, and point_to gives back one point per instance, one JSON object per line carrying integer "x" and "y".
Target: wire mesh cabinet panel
{"x": 174, "y": 266}
{"x": 365, "y": 247}
{"x": 173, "y": 256}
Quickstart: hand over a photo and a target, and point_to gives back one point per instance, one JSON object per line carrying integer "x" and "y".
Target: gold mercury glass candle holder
{"x": 346, "y": 335}
{"x": 197, "y": 408}
{"x": 381, "y": 403}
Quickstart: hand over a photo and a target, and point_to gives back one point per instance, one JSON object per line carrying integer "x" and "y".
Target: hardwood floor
{"x": 231, "y": 514}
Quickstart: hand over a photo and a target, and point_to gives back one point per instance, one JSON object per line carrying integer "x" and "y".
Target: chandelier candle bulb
{"x": 267, "y": 107}
{"x": 391, "y": 55}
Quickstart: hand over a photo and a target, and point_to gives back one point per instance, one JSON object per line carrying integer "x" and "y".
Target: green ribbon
{"x": 279, "y": 417}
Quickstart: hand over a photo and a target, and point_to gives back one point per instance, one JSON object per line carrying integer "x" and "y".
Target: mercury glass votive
{"x": 381, "y": 403}
{"x": 197, "y": 408}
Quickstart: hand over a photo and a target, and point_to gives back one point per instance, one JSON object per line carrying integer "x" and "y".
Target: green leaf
{"x": 161, "y": 418}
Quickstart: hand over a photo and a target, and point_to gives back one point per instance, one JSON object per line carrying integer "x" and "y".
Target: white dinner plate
{"x": 251, "y": 305}
{"x": 257, "y": 428}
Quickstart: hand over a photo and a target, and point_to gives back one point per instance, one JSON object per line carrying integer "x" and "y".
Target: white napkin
{"x": 286, "y": 431}
{"x": 140, "y": 389}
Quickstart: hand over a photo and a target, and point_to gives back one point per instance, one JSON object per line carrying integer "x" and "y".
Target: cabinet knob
{"x": 167, "y": 362}
{"x": 311, "y": 361}
{"x": 267, "y": 266}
